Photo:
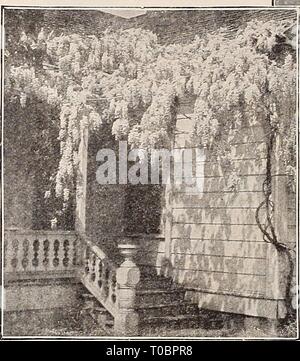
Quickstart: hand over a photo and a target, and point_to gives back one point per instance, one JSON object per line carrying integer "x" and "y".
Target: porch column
{"x": 277, "y": 263}
{"x": 81, "y": 181}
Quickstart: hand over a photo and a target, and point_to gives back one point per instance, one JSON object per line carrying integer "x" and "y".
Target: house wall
{"x": 212, "y": 242}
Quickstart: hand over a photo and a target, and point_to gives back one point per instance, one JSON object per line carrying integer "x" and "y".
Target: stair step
{"x": 177, "y": 321}
{"x": 169, "y": 309}
{"x": 159, "y": 291}
{"x": 159, "y": 296}
{"x": 160, "y": 304}
{"x": 171, "y": 304}
{"x": 149, "y": 271}
{"x": 155, "y": 283}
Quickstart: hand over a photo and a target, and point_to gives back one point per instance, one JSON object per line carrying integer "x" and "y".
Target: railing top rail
{"x": 98, "y": 251}
{"x": 38, "y": 232}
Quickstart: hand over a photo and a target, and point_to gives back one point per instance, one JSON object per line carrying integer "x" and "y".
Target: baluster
{"x": 72, "y": 250}
{"x": 86, "y": 260}
{"x": 66, "y": 248}
{"x": 103, "y": 279}
{"x": 38, "y": 254}
{"x": 51, "y": 254}
{"x": 14, "y": 259}
{"x": 46, "y": 251}
{"x": 56, "y": 253}
{"x": 41, "y": 266}
{"x": 90, "y": 263}
{"x": 36, "y": 247}
{"x": 97, "y": 270}
{"x": 93, "y": 267}
{"x": 100, "y": 274}
{"x": 61, "y": 254}
{"x": 113, "y": 287}
{"x": 30, "y": 253}
{"x": 109, "y": 285}
{"x": 106, "y": 283}
{"x": 25, "y": 258}
{"x": 20, "y": 254}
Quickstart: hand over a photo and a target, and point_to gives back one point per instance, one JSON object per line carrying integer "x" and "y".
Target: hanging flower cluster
{"x": 130, "y": 81}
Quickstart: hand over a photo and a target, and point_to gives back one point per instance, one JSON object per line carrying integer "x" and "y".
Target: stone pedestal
{"x": 128, "y": 276}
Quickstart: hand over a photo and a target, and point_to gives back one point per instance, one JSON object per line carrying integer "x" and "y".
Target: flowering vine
{"x": 127, "y": 80}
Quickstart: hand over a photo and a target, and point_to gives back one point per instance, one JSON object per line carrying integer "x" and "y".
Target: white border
{"x": 115, "y": 338}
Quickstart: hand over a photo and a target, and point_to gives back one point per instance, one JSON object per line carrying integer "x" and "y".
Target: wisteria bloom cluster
{"x": 128, "y": 80}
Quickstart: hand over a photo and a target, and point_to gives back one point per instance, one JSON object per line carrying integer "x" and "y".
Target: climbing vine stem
{"x": 266, "y": 208}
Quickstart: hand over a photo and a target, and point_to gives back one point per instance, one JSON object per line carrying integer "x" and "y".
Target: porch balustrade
{"x": 40, "y": 254}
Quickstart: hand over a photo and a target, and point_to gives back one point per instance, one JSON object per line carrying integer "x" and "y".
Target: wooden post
{"x": 280, "y": 196}
{"x": 277, "y": 265}
{"x": 128, "y": 276}
{"x": 184, "y": 111}
{"x": 80, "y": 223}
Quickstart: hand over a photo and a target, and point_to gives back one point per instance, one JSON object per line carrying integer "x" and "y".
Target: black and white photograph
{"x": 150, "y": 172}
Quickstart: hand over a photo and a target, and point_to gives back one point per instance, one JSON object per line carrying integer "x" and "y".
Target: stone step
{"x": 160, "y": 305}
{"x": 157, "y": 282}
{"x": 159, "y": 296}
{"x": 148, "y": 271}
{"x": 169, "y": 309}
{"x": 168, "y": 322}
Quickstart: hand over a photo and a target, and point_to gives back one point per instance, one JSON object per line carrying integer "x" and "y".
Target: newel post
{"x": 128, "y": 276}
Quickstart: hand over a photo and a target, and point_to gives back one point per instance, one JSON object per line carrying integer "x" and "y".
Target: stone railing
{"x": 99, "y": 275}
{"x": 32, "y": 254}
{"x": 114, "y": 287}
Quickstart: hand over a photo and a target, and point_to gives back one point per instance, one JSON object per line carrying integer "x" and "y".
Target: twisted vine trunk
{"x": 267, "y": 228}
